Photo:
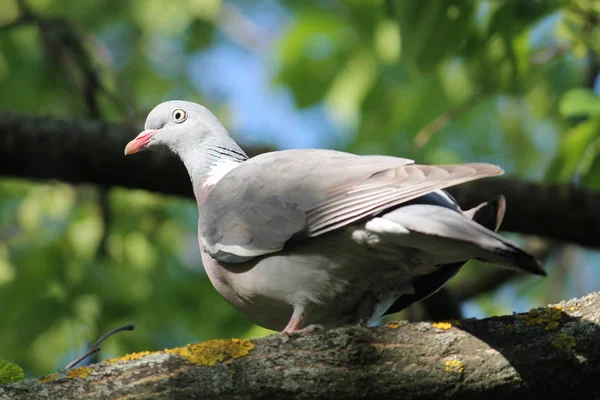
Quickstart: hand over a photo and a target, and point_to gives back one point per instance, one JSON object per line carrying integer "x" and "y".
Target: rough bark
{"x": 92, "y": 152}
{"x": 549, "y": 353}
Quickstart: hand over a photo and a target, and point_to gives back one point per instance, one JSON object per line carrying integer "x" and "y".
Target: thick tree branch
{"x": 92, "y": 152}
{"x": 558, "y": 212}
{"x": 549, "y": 353}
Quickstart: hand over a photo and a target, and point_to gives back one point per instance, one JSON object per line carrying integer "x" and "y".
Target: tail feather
{"x": 443, "y": 232}
{"x": 489, "y": 214}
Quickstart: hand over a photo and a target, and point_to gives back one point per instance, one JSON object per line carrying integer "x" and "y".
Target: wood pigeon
{"x": 303, "y": 239}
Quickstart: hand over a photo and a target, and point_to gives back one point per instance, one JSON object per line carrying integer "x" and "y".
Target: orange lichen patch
{"x": 573, "y": 308}
{"x": 442, "y": 325}
{"x": 454, "y": 366}
{"x": 213, "y": 351}
{"x": 564, "y": 342}
{"x": 131, "y": 357}
{"x": 81, "y": 372}
{"x": 393, "y": 325}
{"x": 549, "y": 317}
{"x": 50, "y": 378}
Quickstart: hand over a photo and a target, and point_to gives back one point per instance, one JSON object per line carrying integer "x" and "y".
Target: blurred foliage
{"x": 10, "y": 372}
{"x": 508, "y": 82}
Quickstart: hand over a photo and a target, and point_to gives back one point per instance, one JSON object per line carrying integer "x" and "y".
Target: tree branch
{"x": 559, "y": 212}
{"x": 549, "y": 353}
{"x": 92, "y": 152}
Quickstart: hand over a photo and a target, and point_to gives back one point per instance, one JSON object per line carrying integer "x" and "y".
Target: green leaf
{"x": 572, "y": 150}
{"x": 592, "y": 178}
{"x": 199, "y": 35}
{"x": 580, "y": 102}
{"x": 10, "y": 372}
{"x": 433, "y": 31}
{"x": 312, "y": 53}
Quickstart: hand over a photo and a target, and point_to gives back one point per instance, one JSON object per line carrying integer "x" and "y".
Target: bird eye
{"x": 179, "y": 115}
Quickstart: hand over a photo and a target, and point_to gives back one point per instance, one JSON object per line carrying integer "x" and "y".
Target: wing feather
{"x": 394, "y": 187}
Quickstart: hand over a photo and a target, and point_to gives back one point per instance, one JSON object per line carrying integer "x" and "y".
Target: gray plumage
{"x": 301, "y": 237}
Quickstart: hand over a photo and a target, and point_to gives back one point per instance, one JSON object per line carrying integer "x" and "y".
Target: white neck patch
{"x": 218, "y": 172}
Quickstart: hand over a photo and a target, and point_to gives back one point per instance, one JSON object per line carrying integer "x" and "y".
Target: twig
{"x": 445, "y": 119}
{"x": 241, "y": 30}
{"x": 94, "y": 349}
{"x": 544, "y": 56}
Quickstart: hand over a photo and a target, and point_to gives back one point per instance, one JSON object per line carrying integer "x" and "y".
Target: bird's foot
{"x": 297, "y": 320}
{"x": 362, "y": 323}
{"x": 309, "y": 329}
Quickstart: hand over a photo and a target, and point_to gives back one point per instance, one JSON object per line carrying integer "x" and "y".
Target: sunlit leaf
{"x": 572, "y": 149}
{"x": 580, "y": 102}
{"x": 350, "y": 86}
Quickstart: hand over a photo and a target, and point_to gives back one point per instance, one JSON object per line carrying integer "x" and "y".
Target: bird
{"x": 300, "y": 240}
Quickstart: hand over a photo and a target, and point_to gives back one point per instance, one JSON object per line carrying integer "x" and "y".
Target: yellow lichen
{"x": 454, "y": 366}
{"x": 50, "y": 378}
{"x": 131, "y": 357}
{"x": 548, "y": 317}
{"x": 573, "y": 308}
{"x": 81, "y": 372}
{"x": 442, "y": 325}
{"x": 213, "y": 351}
{"x": 204, "y": 353}
{"x": 393, "y": 325}
{"x": 564, "y": 342}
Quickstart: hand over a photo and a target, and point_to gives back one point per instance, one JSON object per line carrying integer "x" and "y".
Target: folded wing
{"x": 290, "y": 195}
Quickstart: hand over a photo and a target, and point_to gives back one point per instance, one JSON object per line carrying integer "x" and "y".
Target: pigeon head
{"x": 193, "y": 133}
{"x": 179, "y": 126}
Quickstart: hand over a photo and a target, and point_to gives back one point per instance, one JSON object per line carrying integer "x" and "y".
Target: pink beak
{"x": 139, "y": 142}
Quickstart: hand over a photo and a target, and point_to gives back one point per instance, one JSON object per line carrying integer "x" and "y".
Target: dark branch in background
{"x": 92, "y": 152}
{"x": 549, "y": 353}
{"x": 94, "y": 349}
{"x": 559, "y": 212}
